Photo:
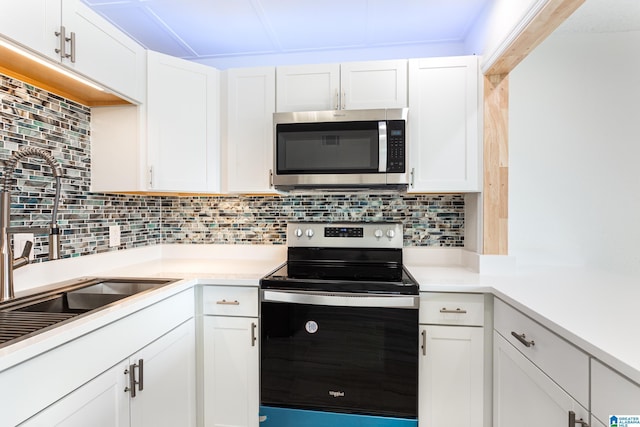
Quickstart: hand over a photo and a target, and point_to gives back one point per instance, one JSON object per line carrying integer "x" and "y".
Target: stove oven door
{"x": 350, "y": 354}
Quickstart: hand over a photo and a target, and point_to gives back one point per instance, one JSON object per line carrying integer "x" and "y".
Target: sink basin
{"x": 27, "y": 316}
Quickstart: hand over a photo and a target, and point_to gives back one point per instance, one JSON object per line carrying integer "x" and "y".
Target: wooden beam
{"x": 495, "y": 195}
{"x": 554, "y": 13}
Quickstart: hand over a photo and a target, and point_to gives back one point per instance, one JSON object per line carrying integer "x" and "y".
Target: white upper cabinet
{"x": 182, "y": 125}
{"x": 33, "y": 24}
{"x": 308, "y": 87}
{"x": 248, "y": 135}
{"x": 101, "y": 52}
{"x": 373, "y": 84}
{"x": 443, "y": 125}
{"x": 72, "y": 34}
{"x": 354, "y": 85}
{"x": 169, "y": 144}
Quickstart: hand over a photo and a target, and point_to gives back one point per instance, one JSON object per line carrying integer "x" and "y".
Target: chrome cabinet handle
{"x": 573, "y": 421}
{"x": 413, "y": 177}
{"x": 131, "y": 389}
{"x": 523, "y": 340}
{"x": 60, "y": 50}
{"x": 424, "y": 342}
{"x": 150, "y": 176}
{"x": 225, "y": 302}
{"x": 344, "y": 100}
{"x": 253, "y": 334}
{"x": 270, "y": 178}
{"x": 72, "y": 55}
{"x": 337, "y": 100}
{"x": 140, "y": 375}
{"x": 456, "y": 311}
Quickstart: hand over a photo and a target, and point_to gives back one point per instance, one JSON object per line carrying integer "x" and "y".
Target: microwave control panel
{"x": 396, "y": 146}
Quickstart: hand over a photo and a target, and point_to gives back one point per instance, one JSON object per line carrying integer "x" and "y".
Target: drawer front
{"x": 230, "y": 301}
{"x": 451, "y": 309}
{"x": 612, "y": 394}
{"x": 565, "y": 364}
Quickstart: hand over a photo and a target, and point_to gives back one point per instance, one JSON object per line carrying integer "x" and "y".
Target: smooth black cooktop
{"x": 343, "y": 270}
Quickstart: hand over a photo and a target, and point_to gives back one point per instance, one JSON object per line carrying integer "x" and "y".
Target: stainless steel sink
{"x": 27, "y": 316}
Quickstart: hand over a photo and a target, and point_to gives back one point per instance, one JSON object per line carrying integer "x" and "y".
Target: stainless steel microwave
{"x": 340, "y": 149}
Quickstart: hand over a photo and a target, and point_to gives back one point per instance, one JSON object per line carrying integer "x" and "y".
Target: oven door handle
{"x": 342, "y": 299}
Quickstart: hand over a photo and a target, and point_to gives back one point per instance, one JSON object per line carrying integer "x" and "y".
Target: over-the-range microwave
{"x": 341, "y": 149}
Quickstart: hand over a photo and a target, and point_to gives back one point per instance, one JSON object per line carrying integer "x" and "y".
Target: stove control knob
{"x": 391, "y": 234}
{"x": 298, "y": 232}
{"x": 378, "y": 233}
{"x": 309, "y": 232}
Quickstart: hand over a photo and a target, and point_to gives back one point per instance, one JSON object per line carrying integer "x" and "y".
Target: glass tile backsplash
{"x": 30, "y": 116}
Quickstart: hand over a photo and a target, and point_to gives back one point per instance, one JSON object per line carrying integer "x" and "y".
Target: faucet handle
{"x": 27, "y": 249}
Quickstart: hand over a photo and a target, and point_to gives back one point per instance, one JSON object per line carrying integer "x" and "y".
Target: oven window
{"x": 342, "y": 359}
{"x": 320, "y": 148}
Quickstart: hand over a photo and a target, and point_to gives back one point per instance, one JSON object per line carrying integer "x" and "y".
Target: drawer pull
{"x": 225, "y": 302}
{"x": 573, "y": 421}
{"x": 456, "y": 311}
{"x": 522, "y": 339}
{"x": 424, "y": 343}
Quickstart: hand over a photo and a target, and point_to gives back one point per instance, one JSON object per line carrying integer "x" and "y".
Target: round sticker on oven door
{"x": 311, "y": 327}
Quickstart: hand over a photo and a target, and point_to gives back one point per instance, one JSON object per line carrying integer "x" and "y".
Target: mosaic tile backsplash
{"x": 33, "y": 117}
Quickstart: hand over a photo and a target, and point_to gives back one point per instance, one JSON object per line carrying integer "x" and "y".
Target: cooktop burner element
{"x": 351, "y": 257}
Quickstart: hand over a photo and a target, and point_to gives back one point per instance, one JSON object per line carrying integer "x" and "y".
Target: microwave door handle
{"x": 382, "y": 146}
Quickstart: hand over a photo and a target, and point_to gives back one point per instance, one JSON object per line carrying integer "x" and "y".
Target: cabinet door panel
{"x": 443, "y": 124}
{"x": 182, "y": 117}
{"x": 169, "y": 381}
{"x": 32, "y": 23}
{"x": 231, "y": 392}
{"x": 249, "y": 138}
{"x": 611, "y": 393}
{"x": 374, "y": 84}
{"x": 452, "y": 377}
{"x": 102, "y": 402}
{"x": 525, "y": 396}
{"x": 103, "y": 53}
{"x": 308, "y": 87}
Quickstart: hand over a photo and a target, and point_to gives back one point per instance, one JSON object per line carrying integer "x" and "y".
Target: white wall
{"x": 575, "y": 152}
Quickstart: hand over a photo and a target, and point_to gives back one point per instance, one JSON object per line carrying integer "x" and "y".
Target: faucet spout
{"x": 7, "y": 262}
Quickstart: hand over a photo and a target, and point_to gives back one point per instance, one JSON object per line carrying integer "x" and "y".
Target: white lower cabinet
{"x": 612, "y": 394}
{"x": 230, "y": 357}
{"x": 525, "y": 396}
{"x": 155, "y": 386}
{"x": 451, "y": 368}
{"x": 102, "y": 402}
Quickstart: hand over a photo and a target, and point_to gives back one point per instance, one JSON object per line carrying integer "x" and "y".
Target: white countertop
{"x": 594, "y": 310}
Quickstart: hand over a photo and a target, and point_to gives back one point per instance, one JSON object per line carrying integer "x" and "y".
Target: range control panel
{"x": 345, "y": 235}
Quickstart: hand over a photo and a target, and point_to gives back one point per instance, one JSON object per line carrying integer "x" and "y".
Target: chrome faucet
{"x": 7, "y": 262}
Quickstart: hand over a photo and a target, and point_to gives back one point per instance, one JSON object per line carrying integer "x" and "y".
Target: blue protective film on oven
{"x": 286, "y": 417}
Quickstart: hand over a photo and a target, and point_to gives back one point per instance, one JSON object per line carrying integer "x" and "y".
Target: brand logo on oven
{"x": 336, "y": 393}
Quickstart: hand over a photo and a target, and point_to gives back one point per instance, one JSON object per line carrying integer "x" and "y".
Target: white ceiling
{"x": 219, "y": 32}
{"x": 204, "y": 29}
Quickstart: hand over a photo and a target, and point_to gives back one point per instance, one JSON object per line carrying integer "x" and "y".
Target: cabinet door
{"x": 32, "y": 23}
{"x": 308, "y": 87}
{"x": 251, "y": 103}
{"x": 525, "y": 396}
{"x": 102, "y": 402}
{"x": 231, "y": 382}
{"x": 373, "y": 84}
{"x": 167, "y": 395}
{"x": 451, "y": 385}
{"x": 612, "y": 394}
{"x": 443, "y": 124}
{"x": 102, "y": 52}
{"x": 182, "y": 125}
